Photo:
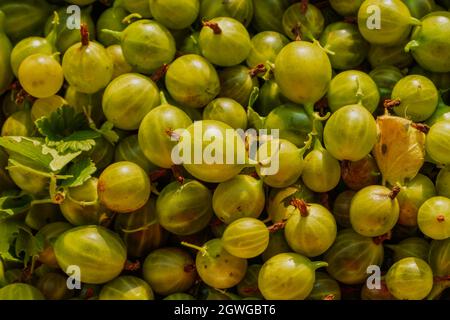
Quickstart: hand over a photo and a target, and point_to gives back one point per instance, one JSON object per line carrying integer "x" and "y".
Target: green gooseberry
{"x": 388, "y": 25}
{"x": 353, "y": 87}
{"x": 227, "y": 111}
{"x": 128, "y": 99}
{"x": 224, "y": 41}
{"x": 237, "y": 83}
{"x": 348, "y": 47}
{"x": 192, "y": 81}
{"x": 418, "y": 98}
{"x": 265, "y": 47}
{"x": 175, "y": 14}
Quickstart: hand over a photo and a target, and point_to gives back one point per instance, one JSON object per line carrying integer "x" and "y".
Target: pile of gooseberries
{"x": 225, "y": 150}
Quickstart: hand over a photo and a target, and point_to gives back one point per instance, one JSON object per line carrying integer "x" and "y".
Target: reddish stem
{"x": 277, "y": 226}
{"x": 259, "y": 69}
{"x": 215, "y": 222}
{"x": 329, "y": 297}
{"x": 59, "y": 198}
{"x": 20, "y": 94}
{"x": 176, "y": 171}
{"x": 171, "y": 133}
{"x": 389, "y": 103}
{"x": 214, "y": 26}
{"x": 155, "y": 175}
{"x": 132, "y": 266}
{"x": 379, "y": 240}
{"x": 395, "y": 191}
{"x": 304, "y": 6}
{"x": 421, "y": 127}
{"x": 189, "y": 268}
{"x": 322, "y": 4}
{"x": 325, "y": 200}
{"x": 251, "y": 290}
{"x": 160, "y": 73}
{"x": 254, "y": 174}
{"x": 441, "y": 278}
{"x": 297, "y": 32}
{"x": 27, "y": 272}
{"x": 301, "y": 205}
{"x": 89, "y": 293}
{"x": 84, "y": 35}
{"x": 351, "y": 20}
{"x": 15, "y": 86}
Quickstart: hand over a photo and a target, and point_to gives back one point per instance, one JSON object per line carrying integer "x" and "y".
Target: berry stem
{"x": 52, "y": 36}
{"x": 259, "y": 69}
{"x": 84, "y": 35}
{"x": 176, "y": 171}
{"x": 215, "y": 222}
{"x": 193, "y": 246}
{"x": 301, "y": 205}
{"x": 172, "y": 134}
{"x": 160, "y": 73}
{"x": 379, "y": 240}
{"x": 155, "y": 175}
{"x": 277, "y": 226}
{"x": 325, "y": 200}
{"x": 421, "y": 127}
{"x": 304, "y": 6}
{"x": 116, "y": 34}
{"x": 319, "y": 264}
{"x": 395, "y": 191}
{"x": 415, "y": 22}
{"x": 411, "y": 45}
{"x": 214, "y": 26}
{"x": 129, "y": 19}
{"x": 189, "y": 268}
{"x": 143, "y": 228}
{"x": 132, "y": 266}
{"x": 251, "y": 290}
{"x": 391, "y": 103}
{"x": 297, "y": 31}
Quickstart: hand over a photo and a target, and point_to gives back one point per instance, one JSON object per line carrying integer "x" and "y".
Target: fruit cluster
{"x": 346, "y": 99}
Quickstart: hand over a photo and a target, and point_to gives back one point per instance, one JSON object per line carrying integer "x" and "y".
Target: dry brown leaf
{"x": 400, "y": 149}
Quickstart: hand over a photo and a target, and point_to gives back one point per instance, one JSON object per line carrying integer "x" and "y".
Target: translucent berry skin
{"x": 124, "y": 187}
{"x": 410, "y": 279}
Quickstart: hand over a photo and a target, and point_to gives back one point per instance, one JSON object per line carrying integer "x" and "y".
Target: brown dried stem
{"x": 84, "y": 35}
{"x": 213, "y": 25}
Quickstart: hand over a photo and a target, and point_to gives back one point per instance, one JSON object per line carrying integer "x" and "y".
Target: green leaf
{"x": 61, "y": 123}
{"x": 3, "y": 281}
{"x": 106, "y": 131}
{"x": 59, "y": 161}
{"x": 78, "y": 141}
{"x": 28, "y": 245}
{"x": 36, "y": 153}
{"x": 31, "y": 149}
{"x": 67, "y": 131}
{"x": 14, "y": 204}
{"x": 80, "y": 171}
{"x": 9, "y": 229}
